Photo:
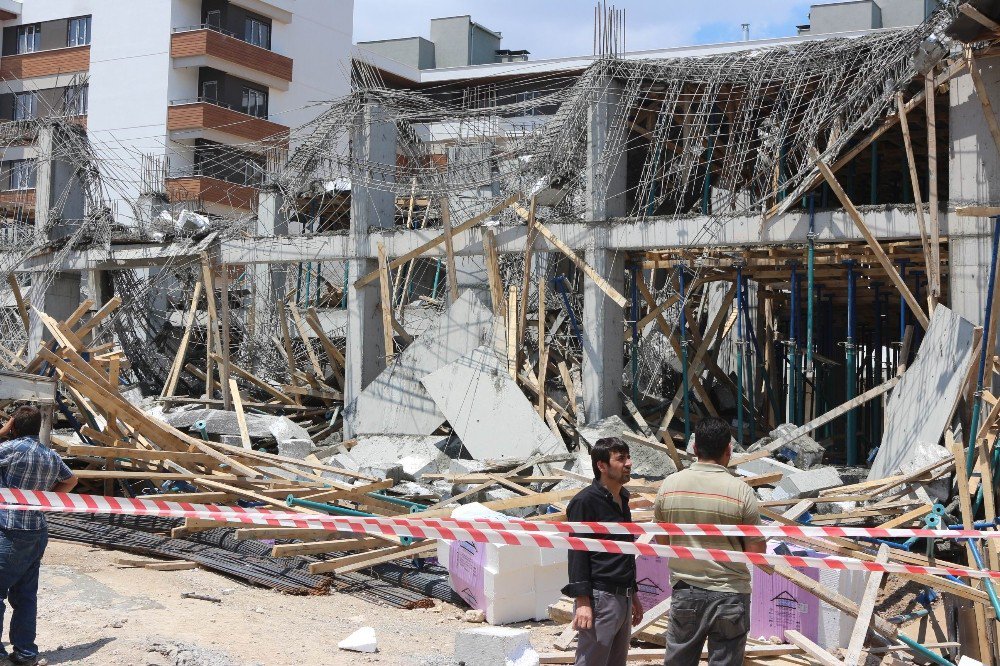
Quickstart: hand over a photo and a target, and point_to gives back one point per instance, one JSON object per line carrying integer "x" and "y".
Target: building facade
{"x": 184, "y": 99}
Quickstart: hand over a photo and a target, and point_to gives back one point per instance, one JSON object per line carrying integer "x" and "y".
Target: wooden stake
{"x": 175, "y": 369}
{"x": 932, "y": 191}
{"x": 449, "y": 248}
{"x": 914, "y": 183}
{"x": 543, "y": 349}
{"x": 512, "y": 332}
{"x": 588, "y": 270}
{"x": 22, "y": 308}
{"x": 876, "y": 248}
{"x": 386, "y": 304}
{"x": 529, "y": 251}
{"x": 867, "y": 608}
{"x": 493, "y": 272}
{"x": 241, "y": 418}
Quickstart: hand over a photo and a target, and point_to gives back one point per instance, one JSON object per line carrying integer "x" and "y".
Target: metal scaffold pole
{"x": 739, "y": 354}
{"x": 793, "y": 324}
{"x": 684, "y": 358}
{"x": 810, "y": 298}
{"x": 850, "y": 436}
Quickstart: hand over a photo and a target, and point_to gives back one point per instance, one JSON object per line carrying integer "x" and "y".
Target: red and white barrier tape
{"x": 421, "y": 529}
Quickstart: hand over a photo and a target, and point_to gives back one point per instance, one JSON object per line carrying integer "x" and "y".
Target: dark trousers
{"x": 606, "y": 643}
{"x": 20, "y": 558}
{"x": 723, "y": 618}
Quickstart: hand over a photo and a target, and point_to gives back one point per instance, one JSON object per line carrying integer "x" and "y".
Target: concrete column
{"x": 603, "y": 319}
{"x": 974, "y": 178}
{"x": 59, "y": 196}
{"x": 605, "y": 153}
{"x": 373, "y": 142}
{"x": 603, "y": 337}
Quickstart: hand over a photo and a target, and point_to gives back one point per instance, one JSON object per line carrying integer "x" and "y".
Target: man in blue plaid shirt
{"x": 28, "y": 464}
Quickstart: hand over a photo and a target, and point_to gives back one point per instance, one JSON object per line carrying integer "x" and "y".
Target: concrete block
{"x": 802, "y": 452}
{"x": 362, "y": 640}
{"x": 386, "y": 470}
{"x": 494, "y": 646}
{"x": 647, "y": 462}
{"x": 396, "y": 401}
{"x": 295, "y": 448}
{"x": 231, "y": 440}
{"x": 763, "y": 466}
{"x": 922, "y": 455}
{"x": 414, "y": 454}
{"x": 920, "y": 406}
{"x": 487, "y": 409}
{"x": 809, "y": 483}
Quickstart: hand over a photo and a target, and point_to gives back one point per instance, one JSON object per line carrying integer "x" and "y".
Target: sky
{"x": 558, "y": 28}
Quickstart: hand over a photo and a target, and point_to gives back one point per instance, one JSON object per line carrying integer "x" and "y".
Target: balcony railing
{"x": 212, "y": 46}
{"x": 214, "y": 101}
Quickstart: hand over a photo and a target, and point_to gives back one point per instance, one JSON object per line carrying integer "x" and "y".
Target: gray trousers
{"x": 606, "y": 643}
{"x": 723, "y": 618}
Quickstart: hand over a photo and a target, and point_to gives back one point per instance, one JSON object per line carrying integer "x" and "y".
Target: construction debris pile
{"x": 467, "y": 340}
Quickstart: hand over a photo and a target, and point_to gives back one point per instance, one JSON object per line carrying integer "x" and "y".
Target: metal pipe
{"x": 850, "y": 436}
{"x": 874, "y": 179}
{"x": 684, "y": 359}
{"x": 635, "y": 333}
{"x": 437, "y": 279}
{"x": 414, "y": 507}
{"x": 810, "y": 296}
{"x": 793, "y": 324}
{"x": 739, "y": 354}
{"x": 933, "y": 656}
{"x": 748, "y": 360}
{"x": 990, "y": 591}
{"x": 291, "y": 500}
{"x": 977, "y": 400}
{"x": 562, "y": 286}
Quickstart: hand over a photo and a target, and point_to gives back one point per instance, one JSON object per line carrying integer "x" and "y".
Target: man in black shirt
{"x": 603, "y": 584}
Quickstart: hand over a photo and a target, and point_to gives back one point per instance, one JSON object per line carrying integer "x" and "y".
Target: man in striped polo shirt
{"x": 711, "y": 600}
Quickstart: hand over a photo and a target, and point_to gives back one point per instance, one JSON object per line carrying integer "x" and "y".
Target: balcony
{"x": 203, "y": 119}
{"x": 69, "y": 60}
{"x": 17, "y": 199}
{"x": 202, "y": 46}
{"x": 208, "y": 190}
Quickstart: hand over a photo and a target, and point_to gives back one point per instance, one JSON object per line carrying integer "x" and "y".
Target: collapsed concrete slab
{"x": 802, "y": 452}
{"x": 490, "y": 646}
{"x": 762, "y": 466}
{"x": 922, "y": 404}
{"x": 219, "y": 422}
{"x": 487, "y": 410}
{"x": 415, "y": 455}
{"x": 647, "y": 462}
{"x": 396, "y": 402}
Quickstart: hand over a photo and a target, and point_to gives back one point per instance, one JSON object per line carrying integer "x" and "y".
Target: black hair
{"x": 602, "y": 450}
{"x": 27, "y": 421}
{"x": 711, "y": 436}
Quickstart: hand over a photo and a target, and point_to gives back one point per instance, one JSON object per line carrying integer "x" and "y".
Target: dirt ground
{"x": 93, "y": 612}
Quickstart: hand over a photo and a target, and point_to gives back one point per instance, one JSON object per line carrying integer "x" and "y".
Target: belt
{"x": 612, "y": 589}
{"x": 681, "y": 585}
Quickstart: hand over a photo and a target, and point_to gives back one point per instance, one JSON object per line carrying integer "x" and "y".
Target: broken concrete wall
{"x": 922, "y": 404}
{"x": 487, "y": 409}
{"x": 396, "y": 402}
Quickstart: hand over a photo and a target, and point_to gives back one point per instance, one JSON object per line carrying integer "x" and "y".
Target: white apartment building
{"x": 203, "y": 90}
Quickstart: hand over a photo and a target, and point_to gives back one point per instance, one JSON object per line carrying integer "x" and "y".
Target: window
{"x": 78, "y": 33}
{"x": 255, "y": 102}
{"x": 258, "y": 32}
{"x": 29, "y": 38}
{"x": 210, "y": 91}
{"x": 22, "y": 174}
{"x": 76, "y": 100}
{"x": 213, "y": 19}
{"x": 24, "y": 106}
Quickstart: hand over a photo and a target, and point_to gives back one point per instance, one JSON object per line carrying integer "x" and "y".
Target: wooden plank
{"x": 977, "y": 211}
{"x": 139, "y": 454}
{"x": 695, "y": 364}
{"x": 529, "y": 251}
{"x": 980, "y": 18}
{"x": 332, "y": 353}
{"x": 543, "y": 349}
{"x": 385, "y": 304}
{"x": 512, "y": 332}
{"x": 914, "y": 182}
{"x": 433, "y": 243}
{"x": 241, "y": 418}
{"x": 493, "y": 272}
{"x": 304, "y": 337}
{"x": 814, "y": 651}
{"x": 175, "y": 368}
{"x": 965, "y": 507}
{"x": 286, "y": 338}
{"x": 934, "y": 277}
{"x": 350, "y": 563}
{"x": 258, "y": 382}
{"x": 588, "y": 270}
{"x": 834, "y": 413}
{"x": 98, "y": 317}
{"x": 22, "y": 308}
{"x": 449, "y": 251}
{"x": 866, "y": 609}
{"x": 908, "y": 517}
{"x": 873, "y": 243}
{"x": 318, "y": 547}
